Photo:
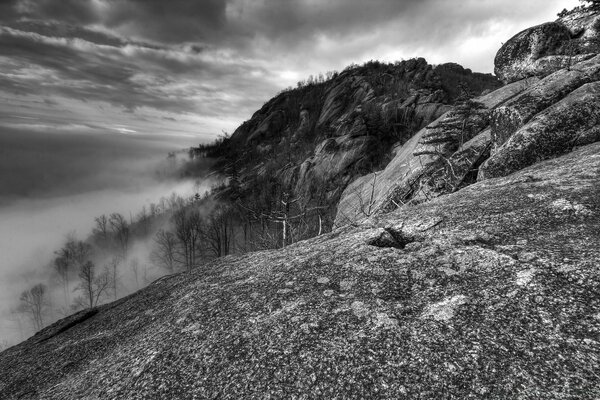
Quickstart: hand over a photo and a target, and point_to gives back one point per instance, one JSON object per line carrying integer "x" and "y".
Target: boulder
{"x": 547, "y": 48}
{"x": 550, "y": 133}
{"x": 512, "y": 115}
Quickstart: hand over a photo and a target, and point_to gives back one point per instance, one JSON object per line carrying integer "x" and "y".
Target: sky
{"x": 193, "y": 69}
{"x": 95, "y": 93}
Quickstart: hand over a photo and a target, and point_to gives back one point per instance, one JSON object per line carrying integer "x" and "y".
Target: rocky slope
{"x": 312, "y": 141}
{"x": 491, "y": 292}
{"x": 467, "y": 268}
{"x": 532, "y": 119}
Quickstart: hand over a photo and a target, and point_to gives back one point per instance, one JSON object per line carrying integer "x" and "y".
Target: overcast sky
{"x": 191, "y": 69}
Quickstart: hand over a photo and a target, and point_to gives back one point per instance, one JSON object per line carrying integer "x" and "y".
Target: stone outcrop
{"x": 314, "y": 140}
{"x": 524, "y": 122}
{"x": 409, "y": 175}
{"x": 544, "y": 49}
{"x": 490, "y": 292}
{"x": 552, "y": 132}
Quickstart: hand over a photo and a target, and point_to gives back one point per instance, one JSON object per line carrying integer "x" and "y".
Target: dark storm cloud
{"x": 129, "y": 74}
{"x": 173, "y": 20}
{"x": 74, "y": 11}
{"x": 223, "y": 58}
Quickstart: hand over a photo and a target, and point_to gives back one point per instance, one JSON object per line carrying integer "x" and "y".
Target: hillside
{"x": 465, "y": 265}
{"x": 309, "y": 143}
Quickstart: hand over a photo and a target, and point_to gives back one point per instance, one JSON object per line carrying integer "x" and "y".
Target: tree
{"x": 219, "y": 231}
{"x": 92, "y": 285}
{"x": 164, "y": 253}
{"x": 144, "y": 221}
{"x": 101, "y": 228}
{"x": 111, "y": 269}
{"x": 120, "y": 229}
{"x": 188, "y": 229}
{"x": 70, "y": 258}
{"x": 61, "y": 266}
{"x": 33, "y": 303}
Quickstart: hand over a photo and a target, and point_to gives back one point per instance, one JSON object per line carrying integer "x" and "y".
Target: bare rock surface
{"x": 554, "y": 131}
{"x": 313, "y": 140}
{"x": 402, "y": 178}
{"x": 544, "y": 49}
{"x": 489, "y": 292}
{"x": 506, "y": 130}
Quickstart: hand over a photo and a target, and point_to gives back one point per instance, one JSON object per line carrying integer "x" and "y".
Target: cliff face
{"x": 518, "y": 125}
{"x": 312, "y": 141}
{"x": 466, "y": 268}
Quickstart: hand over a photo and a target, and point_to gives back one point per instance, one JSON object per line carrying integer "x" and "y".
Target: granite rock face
{"x": 422, "y": 170}
{"x": 522, "y": 123}
{"x": 544, "y": 49}
{"x": 489, "y": 292}
{"x": 313, "y": 140}
{"x": 554, "y": 131}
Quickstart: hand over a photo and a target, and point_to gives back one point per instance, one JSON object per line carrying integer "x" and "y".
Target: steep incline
{"x": 312, "y": 141}
{"x": 491, "y": 292}
{"x": 524, "y": 122}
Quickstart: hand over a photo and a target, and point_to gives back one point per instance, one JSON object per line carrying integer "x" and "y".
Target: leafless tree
{"x": 120, "y": 229}
{"x": 92, "y": 285}
{"x": 164, "y": 254}
{"x": 219, "y": 231}
{"x": 366, "y": 205}
{"x": 134, "y": 264}
{"x": 144, "y": 221}
{"x": 61, "y": 266}
{"x": 111, "y": 269}
{"x": 33, "y": 303}
{"x": 188, "y": 229}
{"x": 101, "y": 228}
{"x": 69, "y": 259}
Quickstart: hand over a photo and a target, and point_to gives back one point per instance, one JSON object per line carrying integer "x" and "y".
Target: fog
{"x": 53, "y": 183}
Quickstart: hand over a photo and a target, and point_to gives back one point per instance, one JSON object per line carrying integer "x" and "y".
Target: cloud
{"x": 221, "y": 59}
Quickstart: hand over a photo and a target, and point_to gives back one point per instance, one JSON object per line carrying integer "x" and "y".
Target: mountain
{"x": 464, "y": 266}
{"x": 309, "y": 143}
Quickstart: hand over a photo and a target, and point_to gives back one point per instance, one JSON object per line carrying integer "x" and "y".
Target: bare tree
{"x": 61, "y": 266}
{"x": 134, "y": 264}
{"x": 164, "y": 254}
{"x": 111, "y": 269}
{"x": 219, "y": 231}
{"x": 144, "y": 221}
{"x": 120, "y": 229}
{"x": 70, "y": 258}
{"x": 101, "y": 228}
{"x": 33, "y": 303}
{"x": 188, "y": 229}
{"x": 92, "y": 285}
{"x": 366, "y": 206}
